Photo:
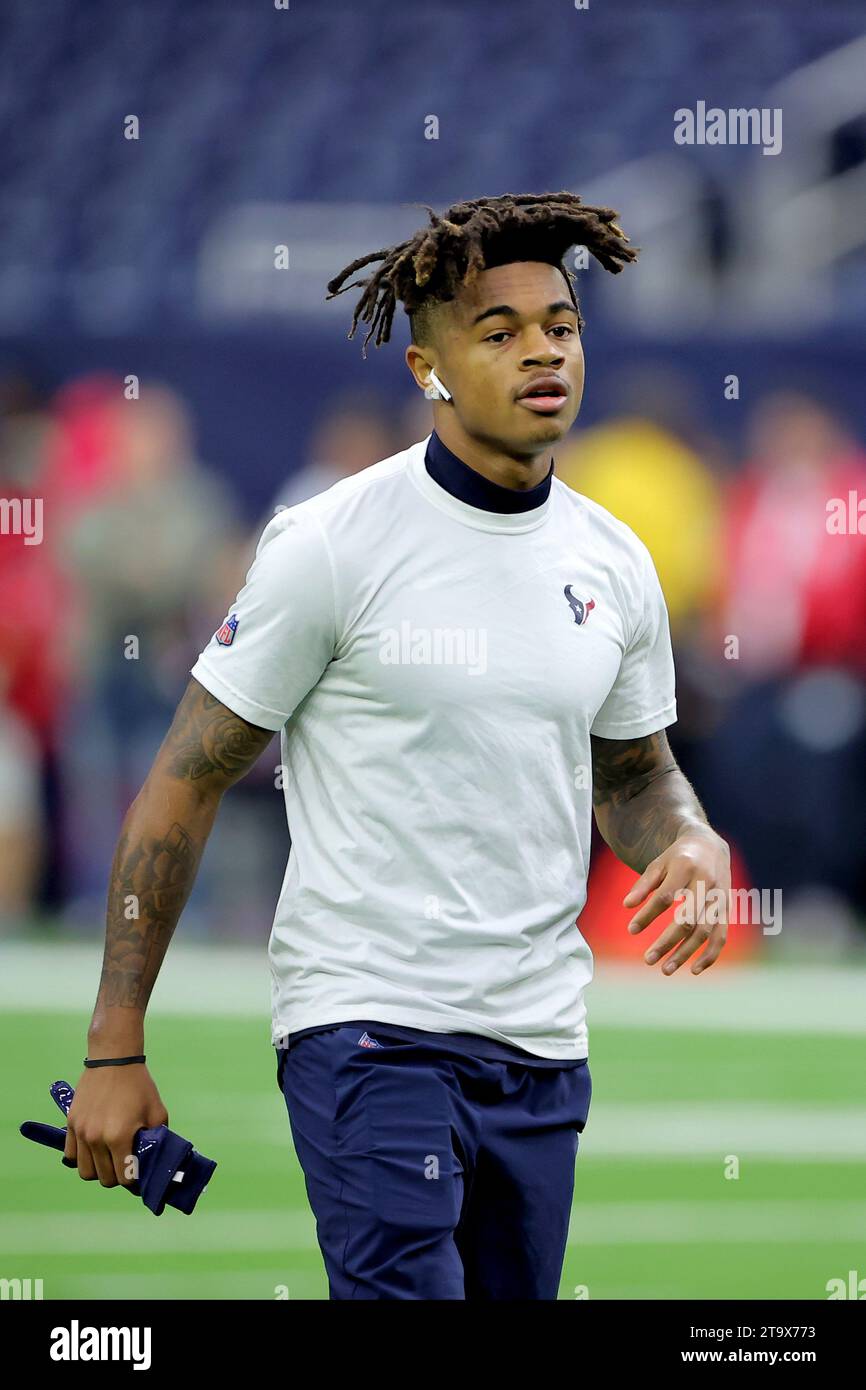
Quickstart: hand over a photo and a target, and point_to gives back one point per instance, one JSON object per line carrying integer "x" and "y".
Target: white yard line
{"x": 733, "y": 1221}
{"x": 747, "y": 1129}
{"x": 223, "y": 981}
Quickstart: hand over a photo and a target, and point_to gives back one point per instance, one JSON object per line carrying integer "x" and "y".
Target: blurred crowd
{"x": 143, "y": 547}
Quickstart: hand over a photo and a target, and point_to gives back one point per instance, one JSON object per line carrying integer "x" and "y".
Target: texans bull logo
{"x": 580, "y": 609}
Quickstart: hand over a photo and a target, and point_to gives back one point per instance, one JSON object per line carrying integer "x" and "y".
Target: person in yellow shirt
{"x": 645, "y": 474}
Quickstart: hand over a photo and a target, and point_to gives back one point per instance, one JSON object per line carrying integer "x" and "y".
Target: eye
{"x": 567, "y": 326}
{"x": 502, "y": 333}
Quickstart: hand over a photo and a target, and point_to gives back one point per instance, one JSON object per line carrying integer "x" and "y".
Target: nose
{"x": 543, "y": 349}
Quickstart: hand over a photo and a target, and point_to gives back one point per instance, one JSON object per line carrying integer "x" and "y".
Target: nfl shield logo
{"x": 226, "y": 634}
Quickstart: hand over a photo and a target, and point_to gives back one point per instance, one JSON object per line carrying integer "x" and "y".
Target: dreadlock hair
{"x": 438, "y": 260}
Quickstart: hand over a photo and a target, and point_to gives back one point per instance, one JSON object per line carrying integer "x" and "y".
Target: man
{"x": 456, "y": 648}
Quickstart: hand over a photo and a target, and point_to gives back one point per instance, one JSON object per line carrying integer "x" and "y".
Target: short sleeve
{"x": 642, "y": 698}
{"x": 280, "y": 633}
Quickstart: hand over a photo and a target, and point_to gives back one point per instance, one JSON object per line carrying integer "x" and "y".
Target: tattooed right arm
{"x": 206, "y": 750}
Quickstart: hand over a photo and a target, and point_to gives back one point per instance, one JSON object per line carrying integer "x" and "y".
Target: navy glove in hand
{"x": 170, "y": 1171}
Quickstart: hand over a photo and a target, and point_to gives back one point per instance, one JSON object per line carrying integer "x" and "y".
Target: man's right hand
{"x": 110, "y": 1106}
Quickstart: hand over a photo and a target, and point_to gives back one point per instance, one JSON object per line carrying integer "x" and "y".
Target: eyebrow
{"x": 512, "y": 313}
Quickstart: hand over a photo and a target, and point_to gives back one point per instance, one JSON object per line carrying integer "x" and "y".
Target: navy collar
{"x": 471, "y": 487}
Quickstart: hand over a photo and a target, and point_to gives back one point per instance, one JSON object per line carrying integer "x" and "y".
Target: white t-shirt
{"x": 436, "y": 670}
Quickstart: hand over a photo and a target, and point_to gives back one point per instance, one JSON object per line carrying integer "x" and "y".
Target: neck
{"x": 472, "y": 488}
{"x": 508, "y": 470}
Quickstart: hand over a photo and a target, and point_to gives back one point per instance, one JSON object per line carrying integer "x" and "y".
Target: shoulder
{"x": 342, "y": 507}
{"x": 368, "y": 488}
{"x": 607, "y": 536}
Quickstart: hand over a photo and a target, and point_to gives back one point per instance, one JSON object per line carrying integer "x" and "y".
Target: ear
{"x": 419, "y": 365}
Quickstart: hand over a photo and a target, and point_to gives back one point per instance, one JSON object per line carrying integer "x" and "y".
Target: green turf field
{"x": 654, "y": 1213}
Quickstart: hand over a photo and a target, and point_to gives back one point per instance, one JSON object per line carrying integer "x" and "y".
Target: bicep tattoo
{"x": 208, "y": 741}
{"x": 623, "y": 767}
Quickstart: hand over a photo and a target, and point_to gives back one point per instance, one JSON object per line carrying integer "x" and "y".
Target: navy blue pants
{"x": 434, "y": 1175}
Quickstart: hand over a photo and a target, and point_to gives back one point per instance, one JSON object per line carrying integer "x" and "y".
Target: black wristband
{"x": 112, "y": 1061}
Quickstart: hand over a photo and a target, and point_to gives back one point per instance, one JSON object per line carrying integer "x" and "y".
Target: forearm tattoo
{"x": 163, "y": 839}
{"x": 150, "y": 881}
{"x": 642, "y": 800}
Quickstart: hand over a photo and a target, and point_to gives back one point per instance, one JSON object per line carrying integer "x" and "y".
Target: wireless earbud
{"x": 437, "y": 384}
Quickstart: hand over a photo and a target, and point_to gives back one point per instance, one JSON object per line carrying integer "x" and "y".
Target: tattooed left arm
{"x": 649, "y": 815}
